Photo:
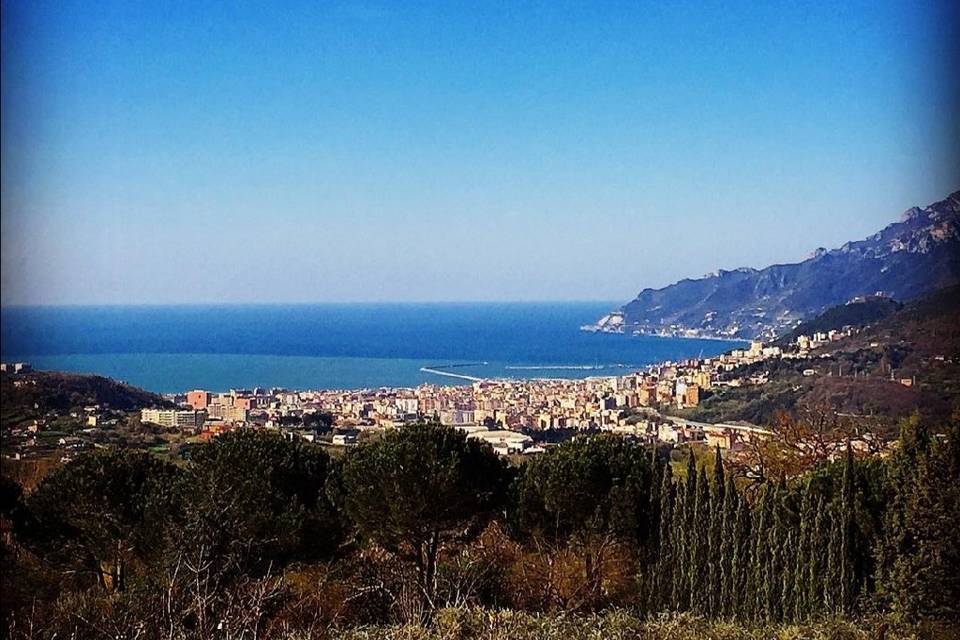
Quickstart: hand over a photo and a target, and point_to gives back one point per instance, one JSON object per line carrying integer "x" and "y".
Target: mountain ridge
{"x": 904, "y": 260}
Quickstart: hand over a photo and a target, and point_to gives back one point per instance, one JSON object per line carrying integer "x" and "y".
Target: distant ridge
{"x": 906, "y": 259}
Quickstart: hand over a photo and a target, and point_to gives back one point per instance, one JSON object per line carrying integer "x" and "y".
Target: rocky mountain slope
{"x": 918, "y": 254}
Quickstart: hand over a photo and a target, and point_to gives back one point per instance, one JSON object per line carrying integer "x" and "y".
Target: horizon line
{"x": 4, "y": 306}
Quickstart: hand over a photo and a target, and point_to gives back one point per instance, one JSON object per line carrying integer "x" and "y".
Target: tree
{"x": 816, "y": 569}
{"x": 920, "y": 555}
{"x": 588, "y": 495}
{"x": 654, "y": 545}
{"x": 666, "y": 553}
{"x": 741, "y": 598}
{"x": 760, "y": 555}
{"x": 255, "y": 501}
{"x": 678, "y": 570}
{"x": 418, "y": 491}
{"x": 715, "y": 559}
{"x": 11, "y": 510}
{"x": 688, "y": 535}
{"x": 100, "y": 514}
{"x": 803, "y": 557}
{"x": 846, "y": 576}
{"x": 798, "y": 443}
{"x": 728, "y": 541}
{"x": 699, "y": 547}
{"x": 319, "y": 420}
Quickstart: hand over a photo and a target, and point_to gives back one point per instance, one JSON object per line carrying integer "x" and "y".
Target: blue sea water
{"x": 329, "y": 346}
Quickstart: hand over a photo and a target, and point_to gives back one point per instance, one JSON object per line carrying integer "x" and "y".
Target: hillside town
{"x": 515, "y": 416}
{"x": 506, "y": 413}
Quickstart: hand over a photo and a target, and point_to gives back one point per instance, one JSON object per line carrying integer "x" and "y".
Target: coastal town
{"x": 515, "y": 416}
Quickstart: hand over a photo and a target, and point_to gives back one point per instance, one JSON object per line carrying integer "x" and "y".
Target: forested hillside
{"x": 34, "y": 394}
{"x": 904, "y": 361}
{"x": 259, "y": 536}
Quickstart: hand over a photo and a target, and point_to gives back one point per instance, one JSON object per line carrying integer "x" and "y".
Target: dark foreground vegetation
{"x": 424, "y": 533}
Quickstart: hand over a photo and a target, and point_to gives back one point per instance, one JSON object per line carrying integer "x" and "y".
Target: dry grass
{"x": 477, "y": 624}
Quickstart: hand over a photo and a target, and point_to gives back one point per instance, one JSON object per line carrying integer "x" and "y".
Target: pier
{"x": 440, "y": 372}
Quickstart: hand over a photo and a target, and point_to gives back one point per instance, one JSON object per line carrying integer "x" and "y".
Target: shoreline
{"x": 649, "y": 334}
{"x": 173, "y": 373}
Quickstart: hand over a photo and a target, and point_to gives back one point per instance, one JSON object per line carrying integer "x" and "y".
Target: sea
{"x": 175, "y": 348}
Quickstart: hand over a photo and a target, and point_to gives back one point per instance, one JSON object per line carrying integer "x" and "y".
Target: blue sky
{"x": 159, "y": 152}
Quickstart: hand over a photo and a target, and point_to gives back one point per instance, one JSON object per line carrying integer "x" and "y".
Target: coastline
{"x": 662, "y": 334}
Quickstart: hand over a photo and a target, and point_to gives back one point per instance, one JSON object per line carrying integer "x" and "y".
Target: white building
{"x": 503, "y": 441}
{"x": 182, "y": 419}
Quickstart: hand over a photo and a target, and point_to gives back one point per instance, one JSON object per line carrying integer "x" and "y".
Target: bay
{"x": 330, "y": 346}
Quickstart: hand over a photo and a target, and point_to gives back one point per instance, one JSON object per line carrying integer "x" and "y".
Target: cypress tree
{"x": 895, "y": 577}
{"x": 699, "y": 546}
{"x": 719, "y": 482}
{"x": 787, "y": 566}
{"x": 803, "y": 555}
{"x": 727, "y": 550}
{"x": 740, "y": 594}
{"x": 846, "y": 578}
{"x": 770, "y": 592}
{"x": 691, "y": 485}
{"x": 816, "y": 570}
{"x": 831, "y": 587}
{"x": 665, "y": 560}
{"x": 714, "y": 557}
{"x": 678, "y": 574}
{"x": 654, "y": 542}
{"x": 688, "y": 535}
{"x": 760, "y": 554}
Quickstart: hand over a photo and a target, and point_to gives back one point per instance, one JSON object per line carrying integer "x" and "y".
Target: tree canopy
{"x": 419, "y": 490}
{"x": 101, "y": 513}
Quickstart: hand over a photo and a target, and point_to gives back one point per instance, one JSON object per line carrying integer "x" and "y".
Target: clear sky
{"x": 190, "y": 151}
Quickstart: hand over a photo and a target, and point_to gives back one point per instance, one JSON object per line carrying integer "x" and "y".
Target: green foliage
{"x": 583, "y": 491}
{"x": 587, "y": 495}
{"x": 34, "y": 394}
{"x": 419, "y": 490}
{"x": 255, "y": 500}
{"x": 101, "y": 514}
{"x": 141, "y": 542}
{"x": 920, "y": 554}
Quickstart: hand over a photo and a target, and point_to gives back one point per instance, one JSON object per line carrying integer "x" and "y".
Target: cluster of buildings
{"x": 805, "y": 344}
{"x": 501, "y": 411}
{"x": 514, "y": 416}
{"x": 15, "y": 367}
